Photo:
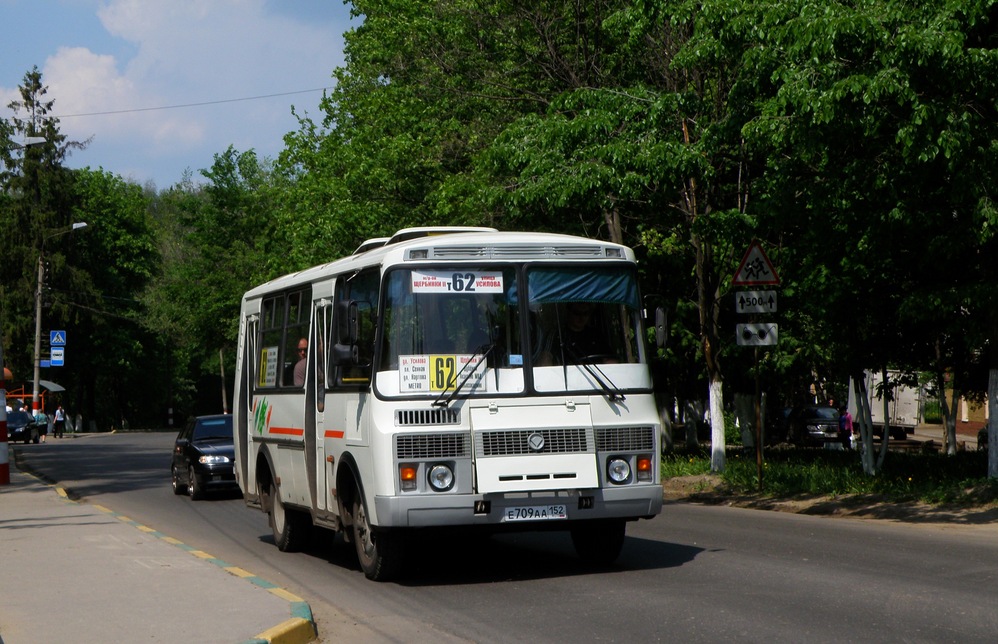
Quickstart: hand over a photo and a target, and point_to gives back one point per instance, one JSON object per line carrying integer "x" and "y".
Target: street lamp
{"x": 38, "y": 308}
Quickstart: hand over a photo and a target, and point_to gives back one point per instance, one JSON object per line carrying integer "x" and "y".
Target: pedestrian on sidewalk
{"x": 43, "y": 423}
{"x": 845, "y": 428}
{"x": 60, "y": 421}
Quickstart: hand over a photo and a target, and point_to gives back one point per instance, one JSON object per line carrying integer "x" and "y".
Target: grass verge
{"x": 788, "y": 472}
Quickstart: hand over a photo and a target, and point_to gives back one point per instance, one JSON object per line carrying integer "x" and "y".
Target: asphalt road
{"x": 695, "y": 573}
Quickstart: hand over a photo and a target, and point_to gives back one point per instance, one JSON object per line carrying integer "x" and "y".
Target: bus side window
{"x": 363, "y": 289}
{"x": 295, "y": 337}
{"x": 271, "y": 332}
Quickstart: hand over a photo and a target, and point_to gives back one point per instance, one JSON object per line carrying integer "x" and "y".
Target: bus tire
{"x": 379, "y": 553}
{"x": 599, "y": 542}
{"x": 290, "y": 527}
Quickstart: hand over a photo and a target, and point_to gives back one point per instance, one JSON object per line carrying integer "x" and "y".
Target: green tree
{"x": 214, "y": 240}
{"x": 879, "y": 130}
{"x": 112, "y": 359}
{"x": 36, "y": 204}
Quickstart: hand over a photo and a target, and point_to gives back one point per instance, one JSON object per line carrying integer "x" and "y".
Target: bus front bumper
{"x": 503, "y": 510}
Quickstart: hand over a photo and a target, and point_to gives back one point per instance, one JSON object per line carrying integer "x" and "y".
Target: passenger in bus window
{"x": 299, "y": 378}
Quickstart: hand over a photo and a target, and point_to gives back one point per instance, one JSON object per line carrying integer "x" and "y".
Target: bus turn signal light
{"x": 407, "y": 476}
{"x": 644, "y": 468}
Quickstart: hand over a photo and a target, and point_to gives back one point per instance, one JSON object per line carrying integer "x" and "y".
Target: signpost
{"x": 753, "y": 335}
{"x": 755, "y": 302}
{"x": 755, "y": 270}
{"x": 57, "y": 349}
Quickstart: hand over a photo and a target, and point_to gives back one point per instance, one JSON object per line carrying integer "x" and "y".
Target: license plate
{"x": 534, "y": 513}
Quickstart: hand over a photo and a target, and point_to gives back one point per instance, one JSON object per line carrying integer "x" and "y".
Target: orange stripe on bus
{"x": 290, "y": 431}
{"x": 330, "y": 433}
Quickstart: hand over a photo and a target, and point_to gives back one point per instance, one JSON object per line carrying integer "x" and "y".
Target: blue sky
{"x": 132, "y": 57}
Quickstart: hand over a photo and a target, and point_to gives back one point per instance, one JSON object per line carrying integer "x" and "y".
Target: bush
{"x": 932, "y": 412}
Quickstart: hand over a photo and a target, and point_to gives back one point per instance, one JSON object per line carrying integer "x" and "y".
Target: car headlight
{"x": 619, "y": 470}
{"x": 441, "y": 477}
{"x": 213, "y": 460}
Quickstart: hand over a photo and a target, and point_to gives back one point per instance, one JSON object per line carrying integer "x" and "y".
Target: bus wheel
{"x": 380, "y": 554}
{"x": 599, "y": 542}
{"x": 289, "y": 526}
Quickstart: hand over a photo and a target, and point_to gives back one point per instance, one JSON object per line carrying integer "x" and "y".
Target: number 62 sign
{"x": 456, "y": 282}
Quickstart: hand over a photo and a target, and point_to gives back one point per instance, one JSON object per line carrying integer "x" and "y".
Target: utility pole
{"x": 39, "y": 289}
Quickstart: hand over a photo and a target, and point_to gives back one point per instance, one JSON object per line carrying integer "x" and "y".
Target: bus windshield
{"x": 447, "y": 328}
{"x": 438, "y": 322}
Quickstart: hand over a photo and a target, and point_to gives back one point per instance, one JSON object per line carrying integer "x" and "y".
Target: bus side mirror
{"x": 345, "y": 350}
{"x": 661, "y": 327}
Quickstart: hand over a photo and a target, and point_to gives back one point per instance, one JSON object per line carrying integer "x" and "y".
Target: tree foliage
{"x": 855, "y": 140}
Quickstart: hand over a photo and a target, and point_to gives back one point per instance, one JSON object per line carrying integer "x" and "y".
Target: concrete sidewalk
{"x": 74, "y": 572}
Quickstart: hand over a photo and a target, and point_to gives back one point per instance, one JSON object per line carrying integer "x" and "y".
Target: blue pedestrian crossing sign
{"x": 57, "y": 338}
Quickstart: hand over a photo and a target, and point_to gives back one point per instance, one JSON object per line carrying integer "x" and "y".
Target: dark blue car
{"x": 204, "y": 457}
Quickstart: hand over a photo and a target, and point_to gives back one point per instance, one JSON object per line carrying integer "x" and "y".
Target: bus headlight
{"x": 619, "y": 470}
{"x": 441, "y": 477}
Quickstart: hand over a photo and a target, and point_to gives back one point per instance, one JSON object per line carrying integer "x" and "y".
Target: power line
{"x": 174, "y": 107}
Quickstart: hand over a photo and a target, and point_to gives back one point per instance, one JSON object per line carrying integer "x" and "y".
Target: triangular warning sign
{"x": 755, "y": 269}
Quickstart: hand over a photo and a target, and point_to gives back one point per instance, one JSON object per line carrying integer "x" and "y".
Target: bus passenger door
{"x": 318, "y": 412}
{"x": 244, "y": 403}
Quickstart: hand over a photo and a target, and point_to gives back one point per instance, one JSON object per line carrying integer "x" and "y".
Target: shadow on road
{"x": 455, "y": 557}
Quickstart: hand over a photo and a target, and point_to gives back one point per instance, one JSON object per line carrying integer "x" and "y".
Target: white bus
{"x": 449, "y": 377}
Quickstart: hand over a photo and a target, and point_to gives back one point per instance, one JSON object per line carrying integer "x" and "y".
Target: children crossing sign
{"x": 756, "y": 269}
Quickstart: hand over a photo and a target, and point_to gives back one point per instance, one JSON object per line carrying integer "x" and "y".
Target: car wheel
{"x": 599, "y": 542}
{"x": 290, "y": 527}
{"x": 380, "y": 554}
{"x": 194, "y": 486}
{"x": 178, "y": 487}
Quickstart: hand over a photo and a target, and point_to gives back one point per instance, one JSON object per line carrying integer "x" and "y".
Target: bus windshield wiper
{"x": 611, "y": 390}
{"x": 468, "y": 370}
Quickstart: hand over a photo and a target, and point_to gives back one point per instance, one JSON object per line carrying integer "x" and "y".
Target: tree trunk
{"x": 949, "y": 414}
{"x": 864, "y": 419}
{"x": 707, "y": 297}
{"x": 993, "y": 408}
{"x": 611, "y": 217}
{"x": 887, "y": 420}
{"x": 716, "y": 400}
{"x": 745, "y": 413}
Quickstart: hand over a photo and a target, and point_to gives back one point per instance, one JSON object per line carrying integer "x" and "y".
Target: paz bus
{"x": 430, "y": 380}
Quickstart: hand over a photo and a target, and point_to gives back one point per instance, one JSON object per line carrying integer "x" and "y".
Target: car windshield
{"x": 822, "y": 413}
{"x": 213, "y": 429}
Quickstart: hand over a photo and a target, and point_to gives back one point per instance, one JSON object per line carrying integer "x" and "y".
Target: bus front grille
{"x": 526, "y": 441}
{"x": 438, "y": 416}
{"x": 625, "y": 439}
{"x": 424, "y": 446}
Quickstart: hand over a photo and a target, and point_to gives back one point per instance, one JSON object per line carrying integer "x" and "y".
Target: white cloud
{"x": 184, "y": 52}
